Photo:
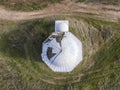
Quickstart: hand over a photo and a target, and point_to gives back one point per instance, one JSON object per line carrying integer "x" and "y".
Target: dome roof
{"x": 62, "y": 51}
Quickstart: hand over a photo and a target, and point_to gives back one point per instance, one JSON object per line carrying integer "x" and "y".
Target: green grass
{"x": 107, "y": 67}
{"x": 30, "y": 5}
{"x": 108, "y": 2}
{"x": 20, "y": 49}
{"x": 27, "y": 5}
{"x": 97, "y": 22}
{"x": 26, "y": 38}
{"x": 81, "y": 0}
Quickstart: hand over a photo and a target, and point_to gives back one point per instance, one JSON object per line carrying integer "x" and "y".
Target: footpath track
{"x": 99, "y": 11}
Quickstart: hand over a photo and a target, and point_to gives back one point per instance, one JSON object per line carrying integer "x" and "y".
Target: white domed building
{"x": 62, "y": 51}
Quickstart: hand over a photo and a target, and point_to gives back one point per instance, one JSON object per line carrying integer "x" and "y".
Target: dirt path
{"x": 106, "y": 12}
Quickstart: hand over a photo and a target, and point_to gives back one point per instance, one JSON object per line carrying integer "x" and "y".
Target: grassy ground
{"x": 107, "y": 2}
{"x": 30, "y": 5}
{"x": 27, "y": 5}
{"x": 112, "y": 2}
{"x": 23, "y": 69}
